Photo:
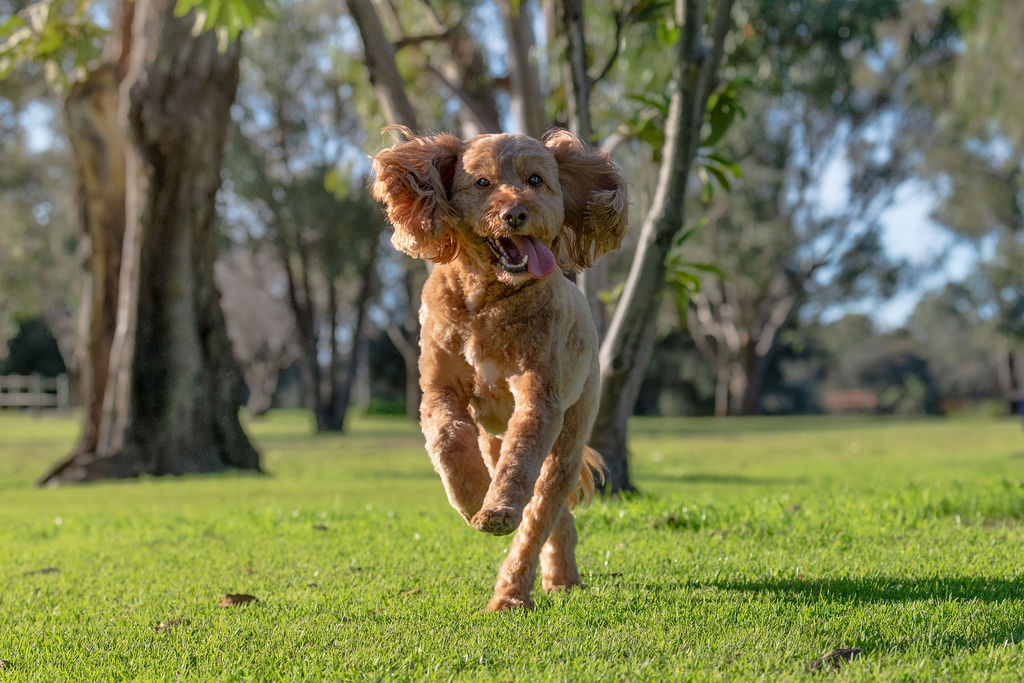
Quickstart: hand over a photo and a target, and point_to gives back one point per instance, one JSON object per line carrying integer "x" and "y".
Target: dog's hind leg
{"x": 558, "y": 556}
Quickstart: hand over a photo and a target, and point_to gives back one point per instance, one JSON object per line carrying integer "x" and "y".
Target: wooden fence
{"x": 34, "y": 391}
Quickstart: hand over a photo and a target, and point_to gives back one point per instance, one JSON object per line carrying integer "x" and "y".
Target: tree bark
{"x": 628, "y": 344}
{"x": 97, "y": 139}
{"x": 174, "y": 389}
{"x": 97, "y": 136}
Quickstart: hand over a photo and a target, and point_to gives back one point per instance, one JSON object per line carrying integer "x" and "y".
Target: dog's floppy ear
{"x": 414, "y": 181}
{"x": 595, "y": 200}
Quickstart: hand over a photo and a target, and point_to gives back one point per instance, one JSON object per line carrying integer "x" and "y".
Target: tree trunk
{"x": 97, "y": 138}
{"x": 302, "y": 305}
{"x": 592, "y": 281}
{"x": 628, "y": 344}
{"x": 524, "y": 95}
{"x": 380, "y": 62}
{"x": 174, "y": 388}
{"x": 341, "y": 391}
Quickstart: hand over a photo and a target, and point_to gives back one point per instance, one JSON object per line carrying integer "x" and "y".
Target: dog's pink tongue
{"x": 541, "y": 261}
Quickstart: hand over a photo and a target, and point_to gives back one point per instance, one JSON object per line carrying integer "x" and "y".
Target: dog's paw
{"x": 503, "y": 602}
{"x": 497, "y": 521}
{"x": 560, "y": 584}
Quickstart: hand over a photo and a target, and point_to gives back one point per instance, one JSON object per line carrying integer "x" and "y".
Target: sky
{"x": 910, "y": 234}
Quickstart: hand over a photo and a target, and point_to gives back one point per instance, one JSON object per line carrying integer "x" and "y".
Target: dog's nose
{"x": 514, "y": 216}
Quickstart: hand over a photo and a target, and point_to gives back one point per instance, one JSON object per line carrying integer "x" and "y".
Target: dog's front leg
{"x": 531, "y": 433}
{"x": 451, "y": 440}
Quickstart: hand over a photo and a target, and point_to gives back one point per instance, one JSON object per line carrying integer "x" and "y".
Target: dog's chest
{"x": 492, "y": 401}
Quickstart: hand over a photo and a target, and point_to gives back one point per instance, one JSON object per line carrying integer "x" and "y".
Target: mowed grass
{"x": 756, "y": 546}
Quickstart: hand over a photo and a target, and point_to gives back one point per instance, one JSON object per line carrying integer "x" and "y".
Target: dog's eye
{"x": 535, "y": 180}
{"x": 483, "y": 182}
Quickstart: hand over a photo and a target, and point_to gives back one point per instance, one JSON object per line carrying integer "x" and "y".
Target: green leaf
{"x": 612, "y": 295}
{"x": 731, "y": 166}
{"x": 335, "y": 184}
{"x": 708, "y": 190}
{"x": 719, "y": 176}
{"x": 652, "y": 134}
{"x": 183, "y": 7}
{"x": 660, "y": 103}
{"x": 667, "y": 35}
{"x": 680, "y": 239}
{"x": 13, "y": 22}
{"x": 706, "y": 267}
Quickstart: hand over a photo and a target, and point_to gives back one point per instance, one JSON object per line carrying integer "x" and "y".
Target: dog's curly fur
{"x": 508, "y": 352}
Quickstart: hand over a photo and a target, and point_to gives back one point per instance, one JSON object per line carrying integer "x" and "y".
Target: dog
{"x": 508, "y": 350}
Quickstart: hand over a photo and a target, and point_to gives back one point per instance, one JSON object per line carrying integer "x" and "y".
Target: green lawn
{"x": 757, "y": 546}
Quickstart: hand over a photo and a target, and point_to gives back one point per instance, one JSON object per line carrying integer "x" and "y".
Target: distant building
{"x": 851, "y": 401}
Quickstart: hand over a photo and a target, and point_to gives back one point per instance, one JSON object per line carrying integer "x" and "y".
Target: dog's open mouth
{"x": 523, "y": 253}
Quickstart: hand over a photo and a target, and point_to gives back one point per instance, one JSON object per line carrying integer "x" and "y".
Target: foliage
{"x": 61, "y": 35}
{"x": 33, "y": 351}
{"x": 823, "y": 150}
{"x": 762, "y": 545}
{"x": 958, "y": 343}
{"x": 227, "y": 17}
{"x": 65, "y": 37}
{"x": 38, "y": 264}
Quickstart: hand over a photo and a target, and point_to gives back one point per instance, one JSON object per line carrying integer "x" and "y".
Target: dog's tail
{"x": 591, "y": 476}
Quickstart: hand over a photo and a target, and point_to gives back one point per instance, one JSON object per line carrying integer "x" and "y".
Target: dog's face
{"x": 517, "y": 207}
{"x": 508, "y": 202}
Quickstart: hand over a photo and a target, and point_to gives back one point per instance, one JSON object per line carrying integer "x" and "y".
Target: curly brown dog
{"x": 508, "y": 352}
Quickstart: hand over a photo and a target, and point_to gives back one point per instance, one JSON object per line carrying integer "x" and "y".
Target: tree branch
{"x": 620, "y": 24}
{"x": 408, "y": 41}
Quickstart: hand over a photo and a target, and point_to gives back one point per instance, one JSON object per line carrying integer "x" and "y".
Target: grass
{"x": 757, "y": 546}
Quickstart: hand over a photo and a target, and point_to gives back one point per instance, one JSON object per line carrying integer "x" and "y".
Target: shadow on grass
{"x": 711, "y": 478}
{"x": 882, "y": 589}
{"x": 733, "y": 428}
{"x": 993, "y": 627}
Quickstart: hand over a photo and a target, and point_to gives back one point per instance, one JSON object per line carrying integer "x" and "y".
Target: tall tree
{"x": 98, "y": 137}
{"x": 173, "y": 388}
{"x": 296, "y": 129}
{"x": 629, "y": 341}
{"x": 826, "y": 143}
{"x": 975, "y": 156}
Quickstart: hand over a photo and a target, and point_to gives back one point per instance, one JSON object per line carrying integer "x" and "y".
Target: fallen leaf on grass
{"x": 835, "y": 658}
{"x": 234, "y": 599}
{"x": 44, "y": 570}
{"x": 414, "y": 591}
{"x": 168, "y": 625}
{"x": 6, "y": 664}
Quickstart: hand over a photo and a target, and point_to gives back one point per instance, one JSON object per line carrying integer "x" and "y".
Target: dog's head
{"x": 519, "y": 206}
